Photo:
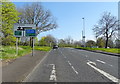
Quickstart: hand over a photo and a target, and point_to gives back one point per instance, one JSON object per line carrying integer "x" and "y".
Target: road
{"x": 73, "y": 65}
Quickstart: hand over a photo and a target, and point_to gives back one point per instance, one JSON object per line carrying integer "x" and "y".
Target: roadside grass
{"x": 9, "y": 52}
{"x": 111, "y": 50}
{"x": 42, "y": 48}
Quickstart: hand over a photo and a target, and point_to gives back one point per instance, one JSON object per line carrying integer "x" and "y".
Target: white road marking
{"x": 63, "y": 55}
{"x": 92, "y": 62}
{"x": 52, "y": 77}
{"x": 69, "y": 63}
{"x": 72, "y": 67}
{"x": 36, "y": 66}
{"x": 74, "y": 70}
{"x": 112, "y": 78}
{"x": 101, "y": 61}
{"x": 104, "y": 62}
{"x": 53, "y": 73}
{"x": 110, "y": 65}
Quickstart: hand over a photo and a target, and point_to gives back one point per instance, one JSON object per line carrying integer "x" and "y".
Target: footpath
{"x": 21, "y": 67}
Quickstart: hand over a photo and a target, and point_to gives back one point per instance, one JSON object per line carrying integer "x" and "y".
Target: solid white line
{"x": 114, "y": 79}
{"x": 37, "y": 66}
{"x": 101, "y": 61}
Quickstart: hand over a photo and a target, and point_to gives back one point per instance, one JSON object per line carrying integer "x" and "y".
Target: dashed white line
{"x": 110, "y": 65}
{"x": 104, "y": 62}
{"x": 72, "y": 67}
{"x": 69, "y": 63}
{"x": 74, "y": 70}
{"x": 112, "y": 78}
{"x": 101, "y": 61}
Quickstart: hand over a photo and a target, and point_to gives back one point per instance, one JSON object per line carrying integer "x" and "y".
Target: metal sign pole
{"x": 33, "y": 46}
{"x": 17, "y": 46}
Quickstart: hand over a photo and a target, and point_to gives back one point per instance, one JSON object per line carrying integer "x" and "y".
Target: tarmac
{"x": 17, "y": 70}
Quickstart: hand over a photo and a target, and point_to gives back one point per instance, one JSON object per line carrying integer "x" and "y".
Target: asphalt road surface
{"x": 73, "y": 65}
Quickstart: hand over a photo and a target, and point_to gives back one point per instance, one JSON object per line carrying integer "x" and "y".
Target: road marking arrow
{"x": 112, "y": 78}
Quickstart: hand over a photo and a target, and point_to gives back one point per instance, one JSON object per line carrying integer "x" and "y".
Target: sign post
{"x": 17, "y": 46}
{"x": 31, "y": 33}
{"x": 33, "y": 46}
{"x": 25, "y": 30}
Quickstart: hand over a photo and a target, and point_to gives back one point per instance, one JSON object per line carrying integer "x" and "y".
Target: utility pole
{"x": 84, "y": 32}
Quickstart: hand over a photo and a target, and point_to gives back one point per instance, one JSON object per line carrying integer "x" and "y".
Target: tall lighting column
{"x": 84, "y": 32}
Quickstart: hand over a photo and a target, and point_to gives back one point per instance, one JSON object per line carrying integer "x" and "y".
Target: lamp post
{"x": 84, "y": 32}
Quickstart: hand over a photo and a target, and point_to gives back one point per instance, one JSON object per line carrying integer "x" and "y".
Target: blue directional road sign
{"x": 30, "y": 32}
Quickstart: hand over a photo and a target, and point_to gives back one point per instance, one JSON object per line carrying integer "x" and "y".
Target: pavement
{"x": 17, "y": 70}
{"x": 73, "y": 65}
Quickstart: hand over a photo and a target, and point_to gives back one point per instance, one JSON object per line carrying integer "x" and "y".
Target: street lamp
{"x": 83, "y": 31}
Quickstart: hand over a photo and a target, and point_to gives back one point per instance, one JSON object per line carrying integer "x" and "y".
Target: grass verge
{"x": 111, "y": 50}
{"x": 9, "y": 52}
{"x": 42, "y": 48}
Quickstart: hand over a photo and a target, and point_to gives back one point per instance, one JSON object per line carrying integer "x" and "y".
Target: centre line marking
{"x": 112, "y": 78}
{"x": 101, "y": 61}
{"x": 74, "y": 70}
{"x": 69, "y": 63}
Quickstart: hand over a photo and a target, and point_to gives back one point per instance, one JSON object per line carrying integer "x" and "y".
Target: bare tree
{"x": 69, "y": 40}
{"x": 35, "y": 14}
{"x": 107, "y": 26}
